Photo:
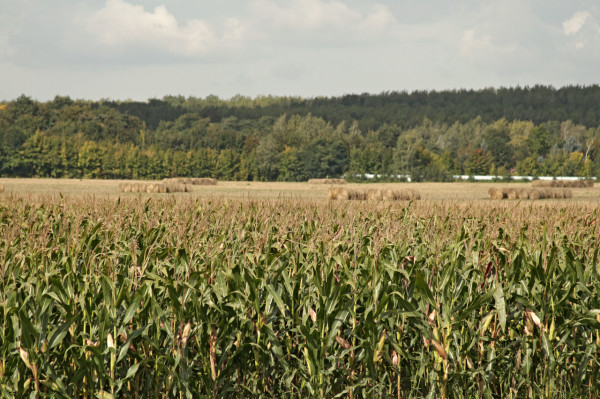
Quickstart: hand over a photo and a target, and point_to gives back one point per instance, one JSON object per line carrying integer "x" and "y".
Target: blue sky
{"x": 140, "y": 49}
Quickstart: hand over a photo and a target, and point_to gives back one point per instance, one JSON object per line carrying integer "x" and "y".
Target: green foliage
{"x": 288, "y": 299}
{"x": 430, "y": 135}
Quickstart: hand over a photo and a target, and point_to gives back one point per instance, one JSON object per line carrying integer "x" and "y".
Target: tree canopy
{"x": 430, "y": 135}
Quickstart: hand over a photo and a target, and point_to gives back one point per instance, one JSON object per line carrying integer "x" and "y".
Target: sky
{"x": 142, "y": 49}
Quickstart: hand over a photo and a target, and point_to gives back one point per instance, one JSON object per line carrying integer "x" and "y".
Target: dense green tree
{"x": 324, "y": 157}
{"x": 228, "y": 165}
{"x": 425, "y": 133}
{"x": 496, "y": 140}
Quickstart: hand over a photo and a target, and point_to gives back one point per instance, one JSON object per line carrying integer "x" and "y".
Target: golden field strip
{"x": 272, "y": 290}
{"x": 457, "y": 191}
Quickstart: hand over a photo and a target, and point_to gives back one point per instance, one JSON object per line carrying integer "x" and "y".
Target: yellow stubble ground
{"x": 454, "y": 192}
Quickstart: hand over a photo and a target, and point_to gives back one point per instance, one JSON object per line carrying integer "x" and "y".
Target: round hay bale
{"x": 344, "y": 194}
{"x": 333, "y": 193}
{"x": 535, "y": 194}
{"x": 537, "y": 183}
{"x": 495, "y": 194}
{"x": 358, "y": 195}
{"x": 523, "y": 193}
{"x": 388, "y": 195}
{"x": 149, "y": 187}
{"x": 161, "y": 188}
{"x": 567, "y": 193}
{"x": 512, "y": 194}
{"x": 207, "y": 181}
{"x": 375, "y": 195}
{"x": 412, "y": 194}
{"x": 135, "y": 187}
{"x": 402, "y": 195}
{"x": 188, "y": 188}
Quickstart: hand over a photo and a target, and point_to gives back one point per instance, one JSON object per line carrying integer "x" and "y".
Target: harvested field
{"x": 437, "y": 192}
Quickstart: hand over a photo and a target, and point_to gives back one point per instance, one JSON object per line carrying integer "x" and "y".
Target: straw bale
{"x": 358, "y": 195}
{"x": 389, "y": 195}
{"x": 559, "y": 193}
{"x": 135, "y": 187}
{"x": 535, "y": 194}
{"x": 149, "y": 188}
{"x": 495, "y": 194}
{"x": 403, "y": 195}
{"x": 512, "y": 194}
{"x": 333, "y": 193}
{"x": 537, "y": 183}
{"x": 162, "y": 188}
{"x": 327, "y": 181}
{"x": 375, "y": 195}
{"x": 204, "y": 181}
{"x": 567, "y": 193}
{"x": 344, "y": 193}
{"x": 561, "y": 183}
{"x": 523, "y": 193}
{"x": 414, "y": 194}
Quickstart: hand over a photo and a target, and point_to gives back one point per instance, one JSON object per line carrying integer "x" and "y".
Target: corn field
{"x": 183, "y": 298}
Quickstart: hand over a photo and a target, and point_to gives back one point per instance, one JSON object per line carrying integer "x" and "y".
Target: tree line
{"x": 429, "y": 135}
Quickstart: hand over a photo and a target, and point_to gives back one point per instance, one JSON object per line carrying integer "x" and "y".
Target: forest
{"x": 430, "y": 135}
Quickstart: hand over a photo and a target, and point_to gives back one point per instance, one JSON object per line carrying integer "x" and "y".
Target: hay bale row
{"x": 529, "y": 193}
{"x": 196, "y": 181}
{"x": 327, "y": 181}
{"x": 342, "y": 193}
{"x": 154, "y": 188}
{"x": 563, "y": 183}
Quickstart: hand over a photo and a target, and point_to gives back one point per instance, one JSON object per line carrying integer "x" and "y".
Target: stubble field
{"x": 457, "y": 192}
{"x": 271, "y": 290}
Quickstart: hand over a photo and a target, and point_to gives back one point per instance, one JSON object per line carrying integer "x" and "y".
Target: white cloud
{"x": 471, "y": 42}
{"x": 122, "y": 25}
{"x": 321, "y": 15}
{"x": 575, "y": 23}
